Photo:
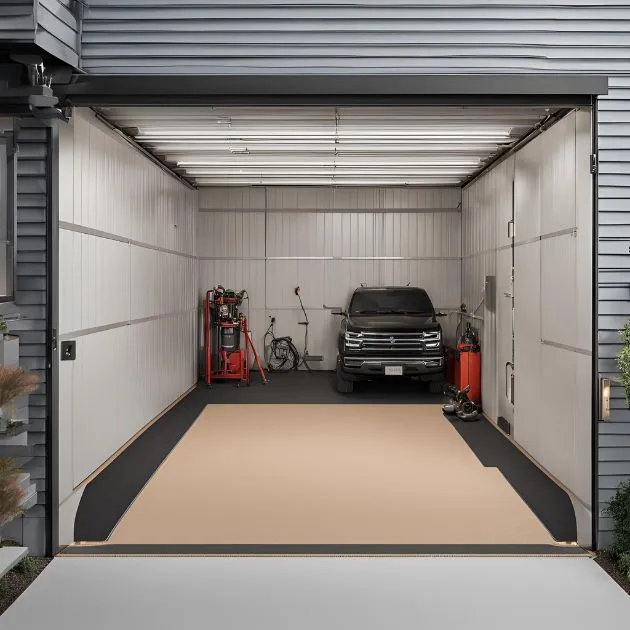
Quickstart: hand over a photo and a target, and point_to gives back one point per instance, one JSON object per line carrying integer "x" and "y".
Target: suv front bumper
{"x": 375, "y": 366}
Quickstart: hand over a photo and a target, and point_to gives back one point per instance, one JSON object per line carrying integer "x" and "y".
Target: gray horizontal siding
{"x": 58, "y": 29}
{"x": 614, "y": 284}
{"x": 17, "y": 23}
{"x": 159, "y": 36}
{"x": 53, "y": 25}
{"x": 30, "y": 294}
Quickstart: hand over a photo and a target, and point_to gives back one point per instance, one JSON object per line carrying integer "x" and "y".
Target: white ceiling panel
{"x": 325, "y": 145}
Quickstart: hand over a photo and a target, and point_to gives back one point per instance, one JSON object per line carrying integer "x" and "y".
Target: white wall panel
{"x": 121, "y": 379}
{"x": 558, "y": 163}
{"x": 528, "y": 178}
{"x": 119, "y": 191}
{"x": 237, "y": 274}
{"x": 128, "y": 270}
{"x": 161, "y": 283}
{"x": 242, "y": 234}
{"x": 327, "y": 240}
{"x": 552, "y": 322}
{"x": 232, "y": 198}
{"x": 93, "y": 280}
{"x": 559, "y": 283}
{"x": 533, "y": 420}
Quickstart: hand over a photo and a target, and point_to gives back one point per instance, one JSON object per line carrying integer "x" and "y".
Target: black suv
{"x": 389, "y": 331}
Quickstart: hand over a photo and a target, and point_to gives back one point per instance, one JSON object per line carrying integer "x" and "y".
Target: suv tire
{"x": 343, "y": 386}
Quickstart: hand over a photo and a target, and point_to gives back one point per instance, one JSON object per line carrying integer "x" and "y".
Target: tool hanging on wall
{"x": 224, "y": 325}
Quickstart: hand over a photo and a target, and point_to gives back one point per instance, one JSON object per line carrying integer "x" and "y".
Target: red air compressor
{"x": 467, "y": 364}
{"x": 224, "y": 325}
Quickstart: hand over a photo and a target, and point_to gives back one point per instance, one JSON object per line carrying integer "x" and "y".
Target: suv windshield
{"x": 402, "y": 301}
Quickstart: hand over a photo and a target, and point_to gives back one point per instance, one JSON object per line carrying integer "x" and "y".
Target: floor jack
{"x": 224, "y": 324}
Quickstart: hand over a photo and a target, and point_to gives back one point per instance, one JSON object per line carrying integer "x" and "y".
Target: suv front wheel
{"x": 343, "y": 386}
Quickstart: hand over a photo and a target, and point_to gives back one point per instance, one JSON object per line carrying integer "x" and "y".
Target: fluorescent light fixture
{"x": 374, "y": 163}
{"x": 326, "y": 170}
{"x": 409, "y": 136}
{"x": 327, "y": 181}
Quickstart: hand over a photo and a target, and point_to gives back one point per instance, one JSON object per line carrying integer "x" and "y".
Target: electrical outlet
{"x": 68, "y": 350}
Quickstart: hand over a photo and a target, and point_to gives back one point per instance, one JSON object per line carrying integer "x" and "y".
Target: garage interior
{"x": 487, "y": 207}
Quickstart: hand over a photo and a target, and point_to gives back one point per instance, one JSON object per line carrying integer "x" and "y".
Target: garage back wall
{"x": 327, "y": 240}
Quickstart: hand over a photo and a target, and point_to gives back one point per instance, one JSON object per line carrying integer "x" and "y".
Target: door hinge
{"x": 593, "y": 163}
{"x": 53, "y": 340}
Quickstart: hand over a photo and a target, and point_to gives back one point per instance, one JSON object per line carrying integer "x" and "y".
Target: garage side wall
{"x": 327, "y": 241}
{"x": 552, "y": 288}
{"x": 127, "y": 285}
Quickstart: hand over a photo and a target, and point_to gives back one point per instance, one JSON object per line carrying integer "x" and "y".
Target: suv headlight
{"x": 434, "y": 335}
{"x": 353, "y": 340}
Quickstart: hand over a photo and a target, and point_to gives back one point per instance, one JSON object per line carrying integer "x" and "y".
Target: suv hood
{"x": 390, "y": 323}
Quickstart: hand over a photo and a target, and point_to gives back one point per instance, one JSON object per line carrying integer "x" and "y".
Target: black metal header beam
{"x": 489, "y": 89}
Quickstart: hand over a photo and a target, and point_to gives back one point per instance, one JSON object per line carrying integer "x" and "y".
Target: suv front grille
{"x": 396, "y": 342}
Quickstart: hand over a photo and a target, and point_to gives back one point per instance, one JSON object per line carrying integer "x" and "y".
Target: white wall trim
{"x": 81, "y": 229}
{"x": 141, "y": 320}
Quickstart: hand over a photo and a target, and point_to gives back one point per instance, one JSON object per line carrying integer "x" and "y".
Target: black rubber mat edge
{"x": 545, "y": 498}
{"x": 316, "y": 550}
{"x": 107, "y": 497}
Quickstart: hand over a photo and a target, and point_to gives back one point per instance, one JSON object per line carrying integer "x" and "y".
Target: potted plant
{"x": 14, "y": 382}
{"x": 11, "y": 495}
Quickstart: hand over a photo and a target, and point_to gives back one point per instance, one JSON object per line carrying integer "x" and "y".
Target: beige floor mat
{"x": 326, "y": 474}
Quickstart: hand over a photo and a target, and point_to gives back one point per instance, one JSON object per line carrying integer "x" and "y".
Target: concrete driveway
{"x": 308, "y": 593}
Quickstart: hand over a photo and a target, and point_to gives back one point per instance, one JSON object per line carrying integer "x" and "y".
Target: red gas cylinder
{"x": 468, "y": 365}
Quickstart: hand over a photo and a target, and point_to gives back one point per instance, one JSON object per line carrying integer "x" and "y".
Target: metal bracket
{"x": 509, "y": 383}
{"x": 593, "y": 163}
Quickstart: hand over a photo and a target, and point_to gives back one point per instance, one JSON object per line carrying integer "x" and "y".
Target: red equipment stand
{"x": 233, "y": 365}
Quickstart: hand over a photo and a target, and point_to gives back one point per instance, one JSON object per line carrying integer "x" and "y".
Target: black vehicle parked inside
{"x": 390, "y": 331}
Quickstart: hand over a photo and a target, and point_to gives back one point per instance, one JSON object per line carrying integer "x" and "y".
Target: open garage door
{"x": 450, "y": 199}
